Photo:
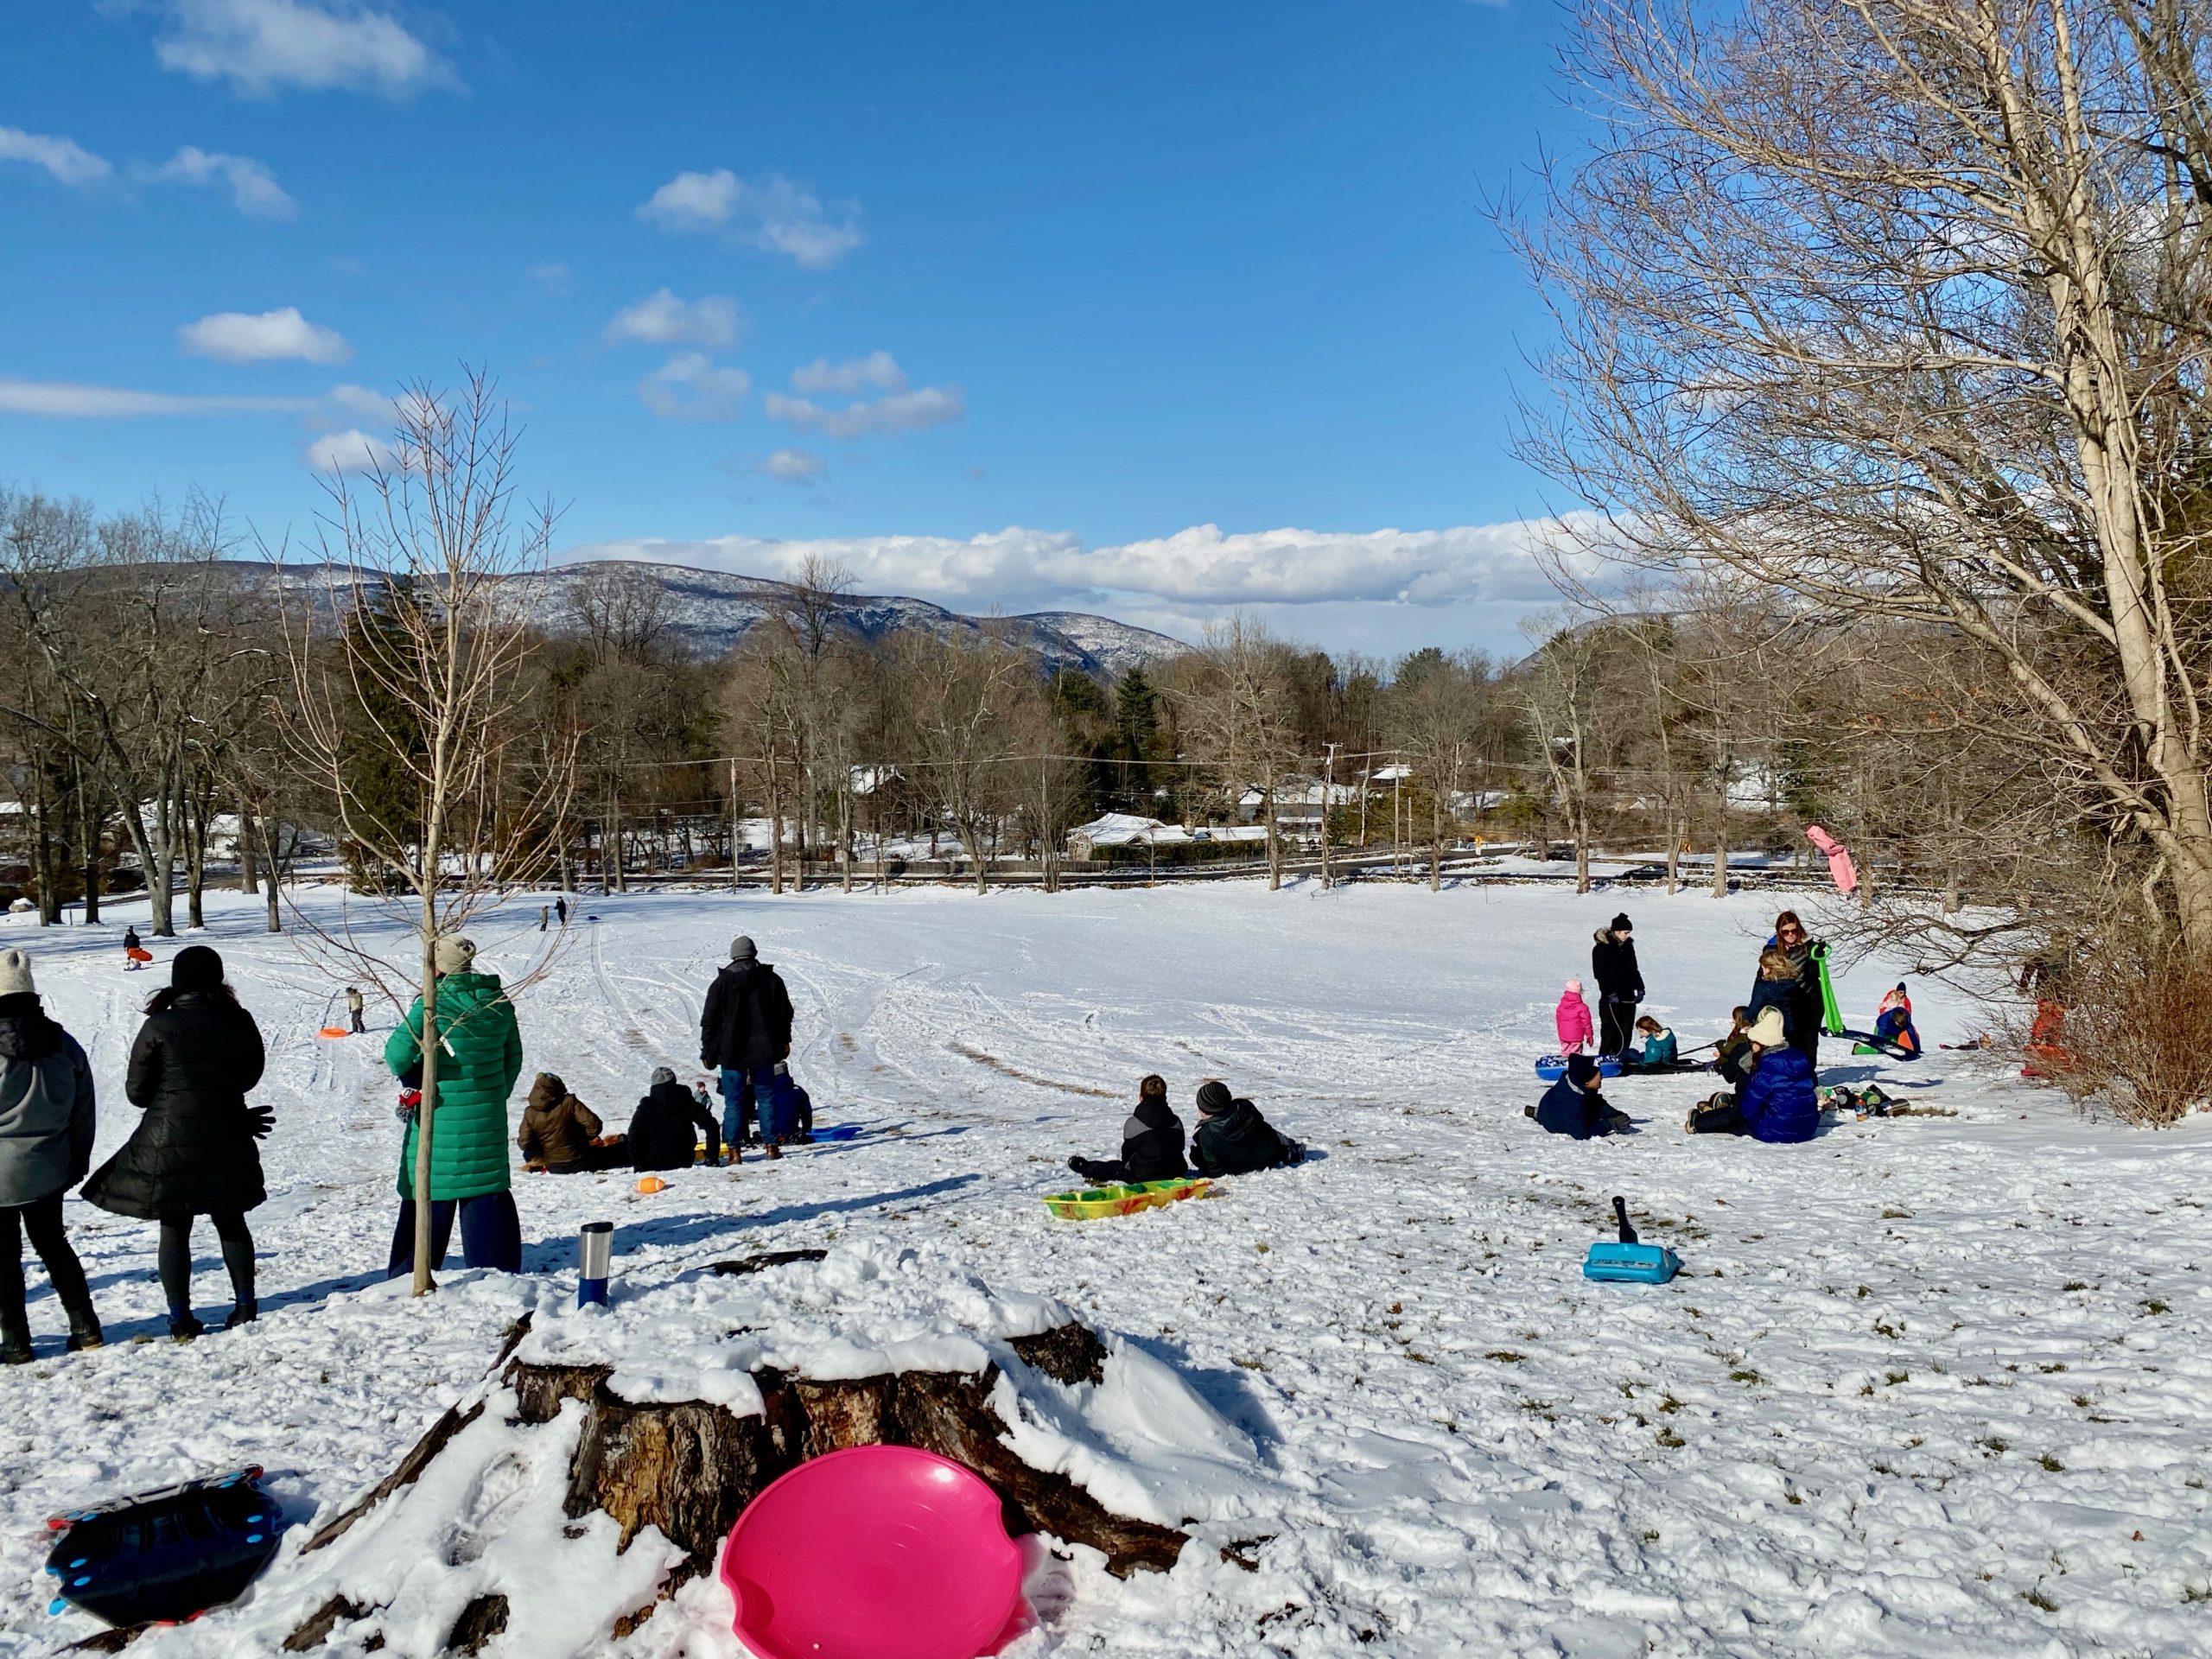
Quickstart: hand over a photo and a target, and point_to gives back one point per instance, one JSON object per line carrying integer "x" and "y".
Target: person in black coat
{"x": 1620, "y": 984}
{"x": 1151, "y": 1142}
{"x": 745, "y": 1029}
{"x": 1573, "y": 1107}
{"x": 1233, "y": 1139}
{"x": 193, "y": 1153}
{"x": 664, "y": 1134}
{"x": 1803, "y": 1013}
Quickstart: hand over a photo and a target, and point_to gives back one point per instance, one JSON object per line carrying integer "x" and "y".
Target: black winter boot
{"x": 15, "y": 1339}
{"x": 183, "y": 1327}
{"x": 85, "y": 1329}
{"x": 243, "y": 1313}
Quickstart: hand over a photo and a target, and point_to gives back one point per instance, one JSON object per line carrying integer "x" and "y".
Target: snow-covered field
{"x": 1936, "y": 1384}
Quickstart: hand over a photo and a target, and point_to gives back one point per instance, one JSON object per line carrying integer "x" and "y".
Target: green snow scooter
{"x": 1831, "y": 1016}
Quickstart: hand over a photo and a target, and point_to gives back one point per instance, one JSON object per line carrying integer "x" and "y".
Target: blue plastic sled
{"x": 1628, "y": 1262}
{"x": 1553, "y": 1067}
{"x": 837, "y": 1132}
{"x": 166, "y": 1556}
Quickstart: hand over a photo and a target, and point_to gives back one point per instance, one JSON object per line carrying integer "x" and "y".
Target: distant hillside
{"x": 709, "y": 611}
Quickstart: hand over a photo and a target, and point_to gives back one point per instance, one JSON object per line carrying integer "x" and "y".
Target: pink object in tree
{"x": 1841, "y": 871}
{"x": 876, "y": 1552}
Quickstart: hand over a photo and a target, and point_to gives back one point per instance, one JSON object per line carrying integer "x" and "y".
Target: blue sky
{"x": 1156, "y": 310}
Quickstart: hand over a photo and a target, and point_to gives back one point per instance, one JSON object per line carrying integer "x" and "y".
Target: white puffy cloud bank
{"x": 1173, "y": 582}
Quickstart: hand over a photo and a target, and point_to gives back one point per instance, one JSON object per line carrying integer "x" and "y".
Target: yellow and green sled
{"x": 1093, "y": 1202}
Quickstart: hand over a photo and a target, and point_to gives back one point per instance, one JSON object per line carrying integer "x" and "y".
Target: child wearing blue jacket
{"x": 1777, "y": 1102}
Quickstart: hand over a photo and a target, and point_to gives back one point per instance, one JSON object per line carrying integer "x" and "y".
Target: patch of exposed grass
{"x": 1997, "y": 1447}
{"x": 1895, "y": 1377}
{"x": 2039, "y": 1601}
{"x": 2051, "y": 1464}
{"x": 2151, "y": 1306}
{"x": 1745, "y": 1375}
{"x": 1891, "y": 1214}
{"x": 1668, "y": 1438}
{"x": 1507, "y": 1357}
{"x": 2073, "y": 1284}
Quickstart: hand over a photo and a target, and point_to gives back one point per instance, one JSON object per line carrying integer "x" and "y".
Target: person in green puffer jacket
{"x": 479, "y": 1062}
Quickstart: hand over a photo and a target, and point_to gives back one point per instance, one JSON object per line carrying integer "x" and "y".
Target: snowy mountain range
{"x": 709, "y": 611}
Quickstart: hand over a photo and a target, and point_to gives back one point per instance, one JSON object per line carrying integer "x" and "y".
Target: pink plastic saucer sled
{"x": 876, "y": 1552}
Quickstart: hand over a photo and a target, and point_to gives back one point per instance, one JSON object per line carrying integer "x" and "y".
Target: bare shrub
{"x": 2138, "y": 1030}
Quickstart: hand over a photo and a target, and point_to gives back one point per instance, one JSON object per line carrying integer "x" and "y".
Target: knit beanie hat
{"x": 196, "y": 968}
{"x": 14, "y": 974}
{"x": 663, "y": 1074}
{"x": 1574, "y": 988}
{"x": 741, "y": 950}
{"x": 1582, "y": 1070}
{"x": 454, "y": 955}
{"x": 1213, "y": 1098}
{"x": 1621, "y": 924}
{"x": 1766, "y": 1030}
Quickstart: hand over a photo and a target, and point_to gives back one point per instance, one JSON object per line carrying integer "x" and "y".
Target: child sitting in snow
{"x": 1233, "y": 1139}
{"x": 1576, "y": 1035}
{"x": 1732, "y": 1057}
{"x": 1151, "y": 1142}
{"x": 1573, "y": 1107}
{"x": 1894, "y": 1023}
{"x": 1658, "y": 1044}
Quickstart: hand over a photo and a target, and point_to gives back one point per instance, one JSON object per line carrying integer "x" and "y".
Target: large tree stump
{"x": 689, "y": 1468}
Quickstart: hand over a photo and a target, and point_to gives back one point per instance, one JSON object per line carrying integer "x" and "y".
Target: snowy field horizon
{"x": 1927, "y": 1384}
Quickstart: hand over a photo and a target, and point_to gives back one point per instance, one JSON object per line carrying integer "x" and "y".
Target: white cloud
{"x": 661, "y": 319}
{"x": 878, "y": 369}
{"x": 254, "y": 190}
{"x": 261, "y": 46}
{"x": 1201, "y": 567}
{"x": 792, "y": 467}
{"x": 899, "y": 411}
{"x": 689, "y": 387}
{"x": 771, "y": 213}
{"x": 69, "y": 161}
{"x": 62, "y": 400}
{"x": 269, "y": 336}
{"x": 350, "y": 451}
{"x": 552, "y": 277}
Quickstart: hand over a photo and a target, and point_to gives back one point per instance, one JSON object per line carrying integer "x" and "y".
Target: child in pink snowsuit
{"x": 1576, "y": 1034}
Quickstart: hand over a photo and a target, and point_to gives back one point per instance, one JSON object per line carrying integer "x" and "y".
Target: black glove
{"x": 259, "y": 1120}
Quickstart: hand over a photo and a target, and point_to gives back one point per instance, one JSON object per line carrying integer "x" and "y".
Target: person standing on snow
{"x": 544, "y": 915}
{"x": 744, "y": 1031}
{"x": 1571, "y": 1020}
{"x": 1620, "y": 985}
{"x": 479, "y": 1059}
{"x": 193, "y": 1153}
{"x": 353, "y": 1006}
{"x": 46, "y": 1146}
{"x": 1802, "y": 1012}
{"x": 561, "y": 909}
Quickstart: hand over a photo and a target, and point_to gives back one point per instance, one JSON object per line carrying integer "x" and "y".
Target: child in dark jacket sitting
{"x": 1573, "y": 1107}
{"x": 1233, "y": 1139}
{"x": 1151, "y": 1142}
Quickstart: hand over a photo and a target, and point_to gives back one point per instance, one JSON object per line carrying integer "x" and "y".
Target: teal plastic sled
{"x": 1628, "y": 1262}
{"x": 1553, "y": 1067}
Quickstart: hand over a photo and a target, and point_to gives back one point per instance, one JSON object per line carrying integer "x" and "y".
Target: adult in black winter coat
{"x": 46, "y": 1121}
{"x": 745, "y": 1029}
{"x": 1151, "y": 1142}
{"x": 1620, "y": 984}
{"x": 1802, "y": 1012}
{"x": 665, "y": 1132}
{"x": 1233, "y": 1139}
{"x": 192, "y": 1154}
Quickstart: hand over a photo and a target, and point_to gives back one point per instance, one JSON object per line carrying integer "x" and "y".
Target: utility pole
{"x": 1328, "y": 791}
{"x": 737, "y": 826}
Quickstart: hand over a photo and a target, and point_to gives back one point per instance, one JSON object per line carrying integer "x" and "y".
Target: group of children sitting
{"x": 1231, "y": 1139}
{"x": 561, "y": 1135}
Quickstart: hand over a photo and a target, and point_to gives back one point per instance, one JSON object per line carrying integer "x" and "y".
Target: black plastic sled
{"x": 165, "y": 1557}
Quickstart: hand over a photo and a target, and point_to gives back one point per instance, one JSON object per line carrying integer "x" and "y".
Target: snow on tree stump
{"x": 600, "y": 1468}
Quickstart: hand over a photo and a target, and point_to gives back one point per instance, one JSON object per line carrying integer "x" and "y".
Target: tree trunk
{"x": 775, "y": 829}
{"x": 610, "y": 841}
{"x": 426, "y": 1114}
{"x": 1274, "y": 847}
{"x": 845, "y": 839}
{"x": 49, "y": 886}
{"x": 736, "y": 824}
{"x": 248, "y": 879}
{"x": 1436, "y": 845}
{"x": 90, "y": 824}
{"x": 1677, "y": 832}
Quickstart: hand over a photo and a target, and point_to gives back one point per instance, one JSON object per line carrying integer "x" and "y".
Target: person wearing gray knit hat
{"x": 665, "y": 1132}
{"x": 744, "y": 1030}
{"x": 664, "y": 1074}
{"x": 1233, "y": 1139}
{"x": 454, "y": 955}
{"x": 46, "y": 1146}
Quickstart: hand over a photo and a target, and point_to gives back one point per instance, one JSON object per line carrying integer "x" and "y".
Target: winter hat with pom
{"x": 1581, "y": 1070}
{"x": 1766, "y": 1030}
{"x": 454, "y": 955}
{"x": 1574, "y": 988}
{"x": 741, "y": 950}
{"x": 1213, "y": 1098}
{"x": 196, "y": 968}
{"x": 663, "y": 1074}
{"x": 15, "y": 974}
{"x": 1621, "y": 925}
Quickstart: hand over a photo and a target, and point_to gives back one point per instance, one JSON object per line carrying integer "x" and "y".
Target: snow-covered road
{"x": 1936, "y": 1384}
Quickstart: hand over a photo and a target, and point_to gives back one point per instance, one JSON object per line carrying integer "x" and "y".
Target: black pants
{"x": 358, "y": 1026}
{"x": 175, "y": 1259}
{"x": 491, "y": 1234}
{"x": 1615, "y": 1025}
{"x": 39, "y": 1220}
{"x": 1719, "y": 1116}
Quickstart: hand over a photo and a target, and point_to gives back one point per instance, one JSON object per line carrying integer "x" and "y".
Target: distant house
{"x": 1297, "y": 804}
{"x": 1127, "y": 830}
